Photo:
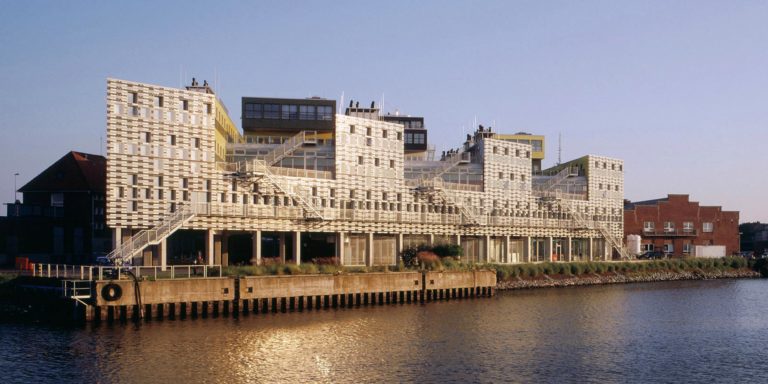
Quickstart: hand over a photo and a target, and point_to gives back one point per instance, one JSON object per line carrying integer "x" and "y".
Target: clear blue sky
{"x": 678, "y": 89}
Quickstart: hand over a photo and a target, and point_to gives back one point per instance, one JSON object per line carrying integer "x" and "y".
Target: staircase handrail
{"x": 146, "y": 237}
{"x": 287, "y": 147}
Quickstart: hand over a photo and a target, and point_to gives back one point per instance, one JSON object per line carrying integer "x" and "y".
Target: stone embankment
{"x": 619, "y": 278}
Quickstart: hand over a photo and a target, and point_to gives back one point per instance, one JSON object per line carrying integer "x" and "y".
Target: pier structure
{"x": 302, "y": 183}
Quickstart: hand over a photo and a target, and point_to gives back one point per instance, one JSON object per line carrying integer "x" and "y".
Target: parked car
{"x": 103, "y": 261}
{"x": 651, "y": 255}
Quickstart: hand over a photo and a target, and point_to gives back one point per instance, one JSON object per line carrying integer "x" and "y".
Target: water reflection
{"x": 686, "y": 331}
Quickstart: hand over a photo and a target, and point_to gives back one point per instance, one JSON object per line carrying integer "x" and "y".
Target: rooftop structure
{"x": 337, "y": 187}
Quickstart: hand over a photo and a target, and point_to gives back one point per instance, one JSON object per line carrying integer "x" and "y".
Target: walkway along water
{"x": 122, "y": 298}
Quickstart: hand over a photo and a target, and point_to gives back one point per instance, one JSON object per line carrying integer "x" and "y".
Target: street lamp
{"x": 15, "y": 193}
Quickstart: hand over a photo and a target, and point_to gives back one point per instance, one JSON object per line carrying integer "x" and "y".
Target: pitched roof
{"x": 75, "y": 171}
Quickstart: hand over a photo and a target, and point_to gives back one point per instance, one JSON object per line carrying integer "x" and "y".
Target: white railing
{"x": 98, "y": 272}
{"x": 169, "y": 224}
{"x": 437, "y": 186}
{"x": 447, "y": 163}
{"x": 290, "y": 145}
{"x": 615, "y": 242}
{"x": 557, "y": 179}
{"x": 300, "y": 193}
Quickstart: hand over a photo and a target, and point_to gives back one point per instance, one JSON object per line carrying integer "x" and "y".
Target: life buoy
{"x": 111, "y": 292}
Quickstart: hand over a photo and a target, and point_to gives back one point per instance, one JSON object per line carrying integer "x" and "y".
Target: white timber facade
{"x": 369, "y": 205}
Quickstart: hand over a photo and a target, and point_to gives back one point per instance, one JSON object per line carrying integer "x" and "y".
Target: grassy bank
{"x": 569, "y": 269}
{"x": 516, "y": 271}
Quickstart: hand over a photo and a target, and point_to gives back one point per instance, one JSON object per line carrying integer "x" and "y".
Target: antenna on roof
{"x": 559, "y": 148}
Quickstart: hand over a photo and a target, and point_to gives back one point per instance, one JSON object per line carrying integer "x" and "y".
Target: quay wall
{"x": 165, "y": 291}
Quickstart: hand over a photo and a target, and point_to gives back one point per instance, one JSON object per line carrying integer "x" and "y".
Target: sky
{"x": 677, "y": 89}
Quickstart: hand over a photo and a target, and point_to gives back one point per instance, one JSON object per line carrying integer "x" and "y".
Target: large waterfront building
{"x": 301, "y": 183}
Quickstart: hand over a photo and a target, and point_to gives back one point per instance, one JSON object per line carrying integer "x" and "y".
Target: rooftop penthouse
{"x": 301, "y": 184}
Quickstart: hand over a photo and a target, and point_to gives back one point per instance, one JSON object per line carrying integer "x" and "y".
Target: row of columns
{"x": 217, "y": 248}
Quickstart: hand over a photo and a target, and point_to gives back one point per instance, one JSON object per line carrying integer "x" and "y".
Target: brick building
{"x": 62, "y": 216}
{"x": 675, "y": 225}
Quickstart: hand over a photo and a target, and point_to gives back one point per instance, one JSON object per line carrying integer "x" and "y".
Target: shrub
{"x": 577, "y": 269}
{"x": 326, "y": 261}
{"x": 448, "y": 250}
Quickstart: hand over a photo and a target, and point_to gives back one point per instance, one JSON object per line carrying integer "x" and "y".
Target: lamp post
{"x": 15, "y": 193}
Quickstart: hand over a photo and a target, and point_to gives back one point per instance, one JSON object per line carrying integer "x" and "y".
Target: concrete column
{"x": 590, "y": 249}
{"x": 209, "y": 245}
{"x": 340, "y": 248}
{"x": 225, "y": 249}
{"x": 507, "y": 250}
{"x": 147, "y": 255}
{"x": 550, "y": 249}
{"x": 297, "y": 247}
{"x": 431, "y": 239}
{"x": 282, "y": 247}
{"x": 369, "y": 249}
{"x": 217, "y": 249}
{"x": 399, "y": 244}
{"x": 163, "y": 248}
{"x": 527, "y": 249}
{"x": 458, "y": 239}
{"x": 568, "y": 250}
{"x": 488, "y": 248}
{"x": 117, "y": 237}
{"x": 256, "y": 248}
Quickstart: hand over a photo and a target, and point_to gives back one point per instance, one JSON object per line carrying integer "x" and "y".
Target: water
{"x": 701, "y": 331}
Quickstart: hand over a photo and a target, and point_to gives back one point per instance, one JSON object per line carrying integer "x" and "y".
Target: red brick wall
{"x": 679, "y": 209}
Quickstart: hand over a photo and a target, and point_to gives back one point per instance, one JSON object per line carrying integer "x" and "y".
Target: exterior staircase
{"x": 300, "y": 139}
{"x": 260, "y": 169}
{"x": 612, "y": 240}
{"x": 435, "y": 186}
{"x": 447, "y": 163}
{"x": 169, "y": 224}
{"x": 545, "y": 189}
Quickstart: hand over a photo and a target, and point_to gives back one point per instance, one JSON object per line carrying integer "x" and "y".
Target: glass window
{"x": 536, "y": 145}
{"x": 687, "y": 226}
{"x": 419, "y": 138}
{"x": 253, "y": 111}
{"x": 57, "y": 199}
{"x": 669, "y": 248}
{"x": 649, "y": 226}
{"x": 409, "y": 138}
{"x": 290, "y": 112}
{"x": 324, "y": 112}
{"x": 669, "y": 226}
{"x": 307, "y": 112}
{"x": 271, "y": 111}
{"x": 708, "y": 227}
{"x": 687, "y": 248}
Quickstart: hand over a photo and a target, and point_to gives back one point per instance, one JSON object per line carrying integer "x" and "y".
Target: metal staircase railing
{"x": 437, "y": 186}
{"x": 557, "y": 179}
{"x": 460, "y": 157}
{"x": 169, "y": 224}
{"x": 290, "y": 145}
{"x": 259, "y": 168}
{"x": 615, "y": 242}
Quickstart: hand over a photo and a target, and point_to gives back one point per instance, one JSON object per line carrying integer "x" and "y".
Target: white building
{"x": 316, "y": 186}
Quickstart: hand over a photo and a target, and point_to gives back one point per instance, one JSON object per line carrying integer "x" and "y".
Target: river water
{"x": 672, "y": 332}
